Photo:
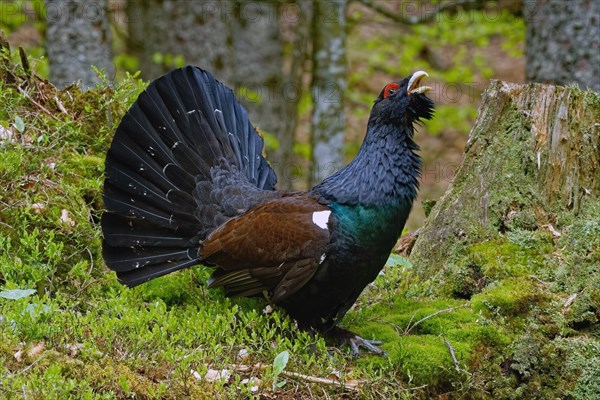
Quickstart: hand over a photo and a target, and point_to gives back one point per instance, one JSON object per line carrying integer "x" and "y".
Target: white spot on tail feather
{"x": 320, "y": 218}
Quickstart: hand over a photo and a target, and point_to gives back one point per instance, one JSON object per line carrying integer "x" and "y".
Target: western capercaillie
{"x": 186, "y": 184}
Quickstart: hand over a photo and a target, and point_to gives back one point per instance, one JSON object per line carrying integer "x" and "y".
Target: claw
{"x": 355, "y": 342}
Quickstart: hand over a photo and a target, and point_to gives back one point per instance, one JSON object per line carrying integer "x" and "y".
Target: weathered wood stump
{"x": 532, "y": 162}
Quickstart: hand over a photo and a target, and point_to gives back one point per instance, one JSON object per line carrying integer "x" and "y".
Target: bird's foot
{"x": 346, "y": 337}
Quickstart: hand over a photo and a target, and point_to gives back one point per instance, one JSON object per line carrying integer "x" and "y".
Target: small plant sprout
{"x": 279, "y": 364}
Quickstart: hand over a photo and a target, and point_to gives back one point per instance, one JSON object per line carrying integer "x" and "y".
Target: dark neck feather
{"x": 385, "y": 170}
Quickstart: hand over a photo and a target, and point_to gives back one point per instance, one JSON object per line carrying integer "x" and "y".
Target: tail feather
{"x": 123, "y": 232}
{"x": 142, "y": 188}
{"x": 147, "y": 166}
{"x": 184, "y": 159}
{"x": 181, "y": 179}
{"x": 121, "y": 258}
{"x": 135, "y": 266}
{"x": 121, "y": 204}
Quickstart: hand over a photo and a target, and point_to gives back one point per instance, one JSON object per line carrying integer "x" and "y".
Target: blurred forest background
{"x": 308, "y": 71}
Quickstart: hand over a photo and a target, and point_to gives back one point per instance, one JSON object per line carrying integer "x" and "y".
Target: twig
{"x": 410, "y": 327}
{"x": 412, "y": 317}
{"x": 41, "y": 107}
{"x": 29, "y": 366}
{"x": 453, "y": 355}
{"x": 24, "y": 61}
{"x": 540, "y": 281}
{"x": 60, "y": 105}
{"x": 414, "y": 388}
{"x": 354, "y": 385}
{"x": 7, "y": 225}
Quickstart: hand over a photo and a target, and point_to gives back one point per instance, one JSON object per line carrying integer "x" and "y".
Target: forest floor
{"x": 68, "y": 329}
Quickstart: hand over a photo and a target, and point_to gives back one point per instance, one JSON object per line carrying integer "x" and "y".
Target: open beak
{"x": 415, "y": 81}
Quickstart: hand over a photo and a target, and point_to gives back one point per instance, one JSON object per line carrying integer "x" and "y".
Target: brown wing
{"x": 276, "y": 246}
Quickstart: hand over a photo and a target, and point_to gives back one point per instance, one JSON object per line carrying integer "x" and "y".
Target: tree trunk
{"x": 563, "y": 42}
{"x": 77, "y": 38}
{"x": 532, "y": 164}
{"x": 329, "y": 81}
{"x": 236, "y": 40}
{"x": 296, "y": 19}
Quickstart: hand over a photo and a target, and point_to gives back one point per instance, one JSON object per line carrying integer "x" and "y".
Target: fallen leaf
{"x": 334, "y": 374}
{"x": 554, "y": 232}
{"x": 64, "y": 217}
{"x": 38, "y": 207}
{"x": 268, "y": 309}
{"x": 195, "y": 374}
{"x": 73, "y": 349}
{"x": 37, "y": 349}
{"x": 18, "y": 355}
{"x": 217, "y": 375}
{"x": 255, "y": 382}
{"x": 6, "y": 135}
{"x": 242, "y": 355}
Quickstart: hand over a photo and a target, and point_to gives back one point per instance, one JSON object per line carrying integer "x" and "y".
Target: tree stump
{"x": 532, "y": 164}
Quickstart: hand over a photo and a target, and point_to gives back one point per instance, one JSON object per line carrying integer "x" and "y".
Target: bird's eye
{"x": 390, "y": 89}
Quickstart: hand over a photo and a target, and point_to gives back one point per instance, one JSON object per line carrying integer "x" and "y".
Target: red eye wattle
{"x": 390, "y": 89}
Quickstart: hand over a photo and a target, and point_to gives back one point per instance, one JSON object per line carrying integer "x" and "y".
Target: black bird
{"x": 186, "y": 184}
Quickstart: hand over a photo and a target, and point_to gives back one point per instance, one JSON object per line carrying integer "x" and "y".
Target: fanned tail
{"x": 184, "y": 159}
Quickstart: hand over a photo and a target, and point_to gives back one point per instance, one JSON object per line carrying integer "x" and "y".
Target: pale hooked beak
{"x": 415, "y": 80}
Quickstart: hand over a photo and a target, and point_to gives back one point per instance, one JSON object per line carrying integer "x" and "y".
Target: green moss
{"x": 579, "y": 250}
{"x": 426, "y": 359}
{"x": 588, "y": 384}
{"x": 510, "y": 297}
{"x": 465, "y": 280}
{"x": 417, "y": 334}
{"x": 584, "y": 312}
{"x": 503, "y": 258}
{"x": 518, "y": 253}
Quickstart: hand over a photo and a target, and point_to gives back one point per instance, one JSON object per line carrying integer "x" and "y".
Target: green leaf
{"x": 124, "y": 384}
{"x": 19, "y": 124}
{"x": 16, "y": 294}
{"x": 280, "y": 362}
{"x": 281, "y": 383}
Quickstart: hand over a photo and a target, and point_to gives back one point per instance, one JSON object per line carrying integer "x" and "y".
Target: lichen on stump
{"x": 518, "y": 234}
{"x": 532, "y": 162}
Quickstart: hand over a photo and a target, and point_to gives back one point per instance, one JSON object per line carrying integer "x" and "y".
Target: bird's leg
{"x": 346, "y": 337}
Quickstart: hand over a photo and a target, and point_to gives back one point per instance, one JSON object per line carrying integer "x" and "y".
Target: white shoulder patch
{"x": 320, "y": 218}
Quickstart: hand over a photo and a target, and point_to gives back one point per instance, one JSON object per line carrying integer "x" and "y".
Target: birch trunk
{"x": 563, "y": 42}
{"x": 329, "y": 81}
{"x": 77, "y": 38}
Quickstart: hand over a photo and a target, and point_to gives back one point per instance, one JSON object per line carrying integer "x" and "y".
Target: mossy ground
{"x": 497, "y": 326}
